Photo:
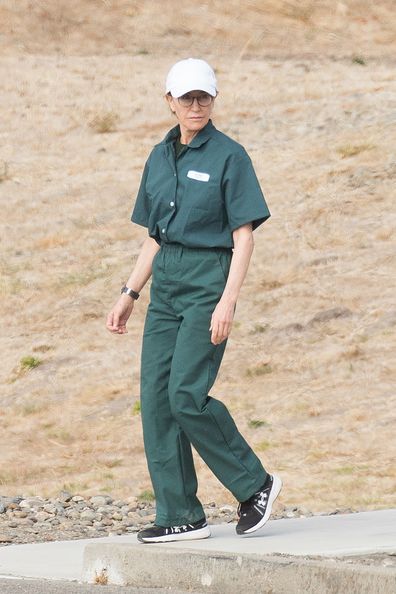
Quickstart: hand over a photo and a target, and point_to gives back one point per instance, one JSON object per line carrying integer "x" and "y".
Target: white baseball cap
{"x": 191, "y": 75}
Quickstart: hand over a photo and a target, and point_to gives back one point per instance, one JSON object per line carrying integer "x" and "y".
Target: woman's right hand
{"x": 119, "y": 315}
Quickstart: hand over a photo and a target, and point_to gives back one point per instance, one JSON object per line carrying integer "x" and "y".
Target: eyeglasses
{"x": 204, "y": 99}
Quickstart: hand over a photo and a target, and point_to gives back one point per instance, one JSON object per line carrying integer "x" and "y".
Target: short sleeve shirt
{"x": 199, "y": 199}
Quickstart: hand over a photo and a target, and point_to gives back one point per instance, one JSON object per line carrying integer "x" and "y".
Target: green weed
{"x": 345, "y": 470}
{"x": 104, "y": 123}
{"x": 359, "y": 60}
{"x": 350, "y": 150}
{"x": 263, "y": 445}
{"x": 42, "y": 348}
{"x": 255, "y": 423}
{"x": 29, "y": 362}
{"x": 136, "y": 409}
{"x": 31, "y": 408}
{"x": 262, "y": 369}
{"x": 260, "y": 328}
{"x": 146, "y": 496}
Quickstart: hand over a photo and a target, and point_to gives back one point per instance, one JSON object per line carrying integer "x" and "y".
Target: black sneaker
{"x": 192, "y": 531}
{"x": 255, "y": 512}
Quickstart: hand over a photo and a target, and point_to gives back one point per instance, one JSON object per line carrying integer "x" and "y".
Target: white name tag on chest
{"x": 198, "y": 175}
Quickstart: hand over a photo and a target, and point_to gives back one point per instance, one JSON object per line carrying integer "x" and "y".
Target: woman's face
{"x": 194, "y": 117}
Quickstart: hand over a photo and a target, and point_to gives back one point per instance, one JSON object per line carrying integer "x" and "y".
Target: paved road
{"x": 222, "y": 563}
{"x": 17, "y": 586}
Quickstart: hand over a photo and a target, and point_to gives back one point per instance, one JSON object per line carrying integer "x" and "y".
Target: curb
{"x": 152, "y": 566}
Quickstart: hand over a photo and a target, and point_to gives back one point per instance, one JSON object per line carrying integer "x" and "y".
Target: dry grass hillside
{"x": 309, "y": 372}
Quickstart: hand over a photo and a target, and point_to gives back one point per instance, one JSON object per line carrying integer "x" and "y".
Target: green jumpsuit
{"x": 190, "y": 206}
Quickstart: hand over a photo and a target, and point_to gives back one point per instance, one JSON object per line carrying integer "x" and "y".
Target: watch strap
{"x": 130, "y": 292}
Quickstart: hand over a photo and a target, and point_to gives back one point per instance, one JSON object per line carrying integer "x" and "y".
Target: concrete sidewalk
{"x": 271, "y": 560}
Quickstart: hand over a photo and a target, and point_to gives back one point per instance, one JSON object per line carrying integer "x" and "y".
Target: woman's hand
{"x": 221, "y": 321}
{"x": 118, "y": 317}
{"x": 223, "y": 314}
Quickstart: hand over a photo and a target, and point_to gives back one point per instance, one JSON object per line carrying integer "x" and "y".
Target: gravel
{"x": 68, "y": 517}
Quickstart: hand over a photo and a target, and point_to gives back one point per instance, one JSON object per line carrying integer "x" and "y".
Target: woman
{"x": 200, "y": 201}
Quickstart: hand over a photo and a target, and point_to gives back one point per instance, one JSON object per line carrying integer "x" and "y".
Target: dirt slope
{"x": 309, "y": 372}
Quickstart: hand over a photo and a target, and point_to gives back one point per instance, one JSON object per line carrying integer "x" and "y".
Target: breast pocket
{"x": 205, "y": 206}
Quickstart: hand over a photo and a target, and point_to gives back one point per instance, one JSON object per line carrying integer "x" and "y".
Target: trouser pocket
{"x": 224, "y": 259}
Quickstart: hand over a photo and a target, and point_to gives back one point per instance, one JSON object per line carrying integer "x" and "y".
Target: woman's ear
{"x": 169, "y": 100}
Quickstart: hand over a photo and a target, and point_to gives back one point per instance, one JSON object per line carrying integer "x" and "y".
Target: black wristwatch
{"x": 130, "y": 292}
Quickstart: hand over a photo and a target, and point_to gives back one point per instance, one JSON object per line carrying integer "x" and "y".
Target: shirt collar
{"x": 198, "y": 140}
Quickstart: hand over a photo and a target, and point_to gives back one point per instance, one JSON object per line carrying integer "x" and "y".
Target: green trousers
{"x": 179, "y": 365}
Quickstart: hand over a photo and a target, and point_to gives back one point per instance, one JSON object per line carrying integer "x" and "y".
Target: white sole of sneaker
{"x": 276, "y": 487}
{"x": 193, "y": 535}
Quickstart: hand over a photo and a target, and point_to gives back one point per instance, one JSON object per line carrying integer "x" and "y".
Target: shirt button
{"x": 171, "y": 204}
{"x": 174, "y": 175}
{"x": 163, "y": 230}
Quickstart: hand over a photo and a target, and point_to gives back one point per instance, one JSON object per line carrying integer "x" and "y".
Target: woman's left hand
{"x": 221, "y": 321}
{"x": 223, "y": 314}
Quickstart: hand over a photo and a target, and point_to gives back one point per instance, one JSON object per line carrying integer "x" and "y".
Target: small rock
{"x": 88, "y": 515}
{"x": 72, "y": 514}
{"x": 50, "y": 508}
{"x": 106, "y": 509}
{"x": 144, "y": 512}
{"x": 142, "y": 522}
{"x": 41, "y": 516}
{"x": 127, "y": 522}
{"x": 117, "y": 516}
{"x": 389, "y": 562}
{"x": 305, "y": 512}
{"x": 227, "y": 509}
{"x": 25, "y": 522}
{"x": 99, "y": 500}
{"x": 20, "y": 514}
{"x": 65, "y": 496}
{"x": 77, "y": 498}
{"x": 211, "y": 513}
{"x": 6, "y": 501}
{"x": 31, "y": 502}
